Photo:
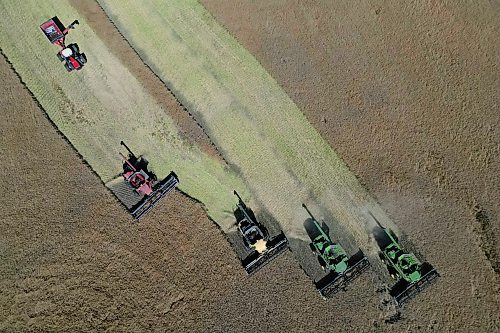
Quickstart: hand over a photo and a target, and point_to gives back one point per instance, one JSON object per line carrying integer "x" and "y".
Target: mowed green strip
{"x": 246, "y": 113}
{"x": 103, "y": 104}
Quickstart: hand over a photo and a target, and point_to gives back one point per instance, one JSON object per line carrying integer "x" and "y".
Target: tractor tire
{"x": 83, "y": 58}
{"x": 74, "y": 47}
{"x": 68, "y": 67}
{"x": 60, "y": 57}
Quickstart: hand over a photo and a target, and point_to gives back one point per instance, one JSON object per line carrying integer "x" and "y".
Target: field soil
{"x": 407, "y": 94}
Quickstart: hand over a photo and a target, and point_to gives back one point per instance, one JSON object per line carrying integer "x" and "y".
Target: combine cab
{"x": 413, "y": 276}
{"x": 262, "y": 248}
{"x": 144, "y": 183}
{"x": 55, "y": 32}
{"x": 333, "y": 260}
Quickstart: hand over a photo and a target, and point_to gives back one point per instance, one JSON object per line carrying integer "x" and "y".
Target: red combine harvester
{"x": 144, "y": 182}
{"x": 56, "y": 33}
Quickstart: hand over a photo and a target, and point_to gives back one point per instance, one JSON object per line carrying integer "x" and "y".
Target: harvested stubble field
{"x": 107, "y": 103}
{"x": 90, "y": 269}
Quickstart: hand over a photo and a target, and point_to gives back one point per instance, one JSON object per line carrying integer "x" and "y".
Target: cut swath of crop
{"x": 247, "y": 114}
{"x": 102, "y": 104}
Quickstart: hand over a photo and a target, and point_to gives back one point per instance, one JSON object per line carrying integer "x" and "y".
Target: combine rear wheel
{"x": 313, "y": 248}
{"x": 392, "y": 272}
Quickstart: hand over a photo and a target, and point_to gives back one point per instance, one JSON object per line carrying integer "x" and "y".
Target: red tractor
{"x": 56, "y": 33}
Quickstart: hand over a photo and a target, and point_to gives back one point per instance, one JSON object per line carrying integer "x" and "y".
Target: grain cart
{"x": 334, "y": 261}
{"x": 144, "y": 182}
{"x": 263, "y": 249}
{"x": 412, "y": 275}
{"x": 56, "y": 33}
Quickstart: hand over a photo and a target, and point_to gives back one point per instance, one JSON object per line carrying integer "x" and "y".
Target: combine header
{"x": 55, "y": 31}
{"x": 333, "y": 259}
{"x": 256, "y": 239}
{"x": 412, "y": 275}
{"x": 144, "y": 183}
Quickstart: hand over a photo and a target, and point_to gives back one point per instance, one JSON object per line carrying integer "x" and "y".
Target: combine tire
{"x": 322, "y": 263}
{"x": 392, "y": 272}
{"x": 313, "y": 248}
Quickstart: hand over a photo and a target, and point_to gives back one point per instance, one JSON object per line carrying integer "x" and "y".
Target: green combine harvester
{"x": 413, "y": 276}
{"x": 333, "y": 259}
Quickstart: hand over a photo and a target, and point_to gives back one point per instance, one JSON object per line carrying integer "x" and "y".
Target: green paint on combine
{"x": 413, "y": 276}
{"x": 333, "y": 259}
{"x": 406, "y": 265}
{"x": 333, "y": 256}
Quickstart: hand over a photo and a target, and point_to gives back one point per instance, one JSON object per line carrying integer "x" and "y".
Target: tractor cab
{"x": 67, "y": 52}
{"x": 251, "y": 233}
{"x": 72, "y": 57}
{"x": 255, "y": 236}
{"x": 335, "y": 258}
{"x": 141, "y": 182}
